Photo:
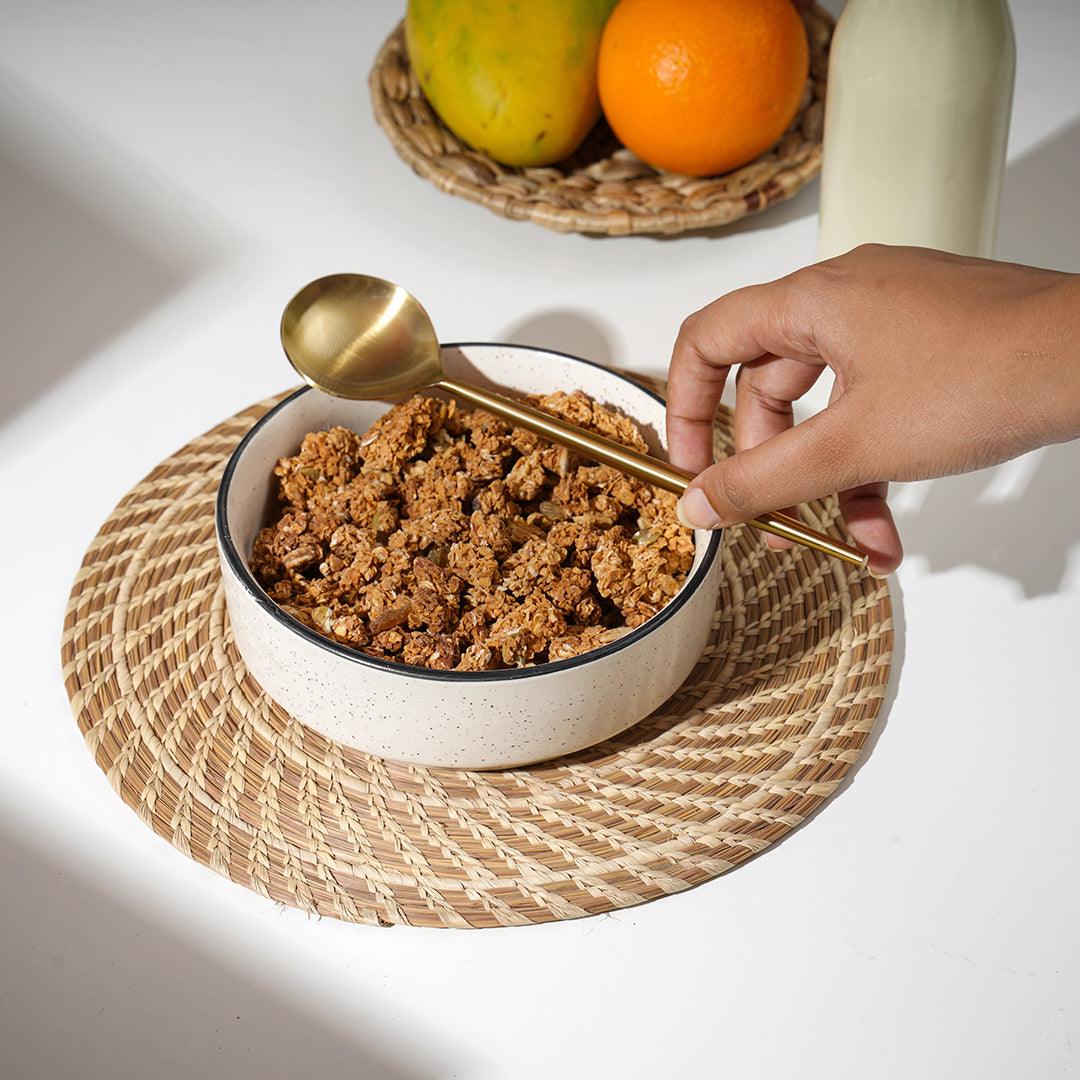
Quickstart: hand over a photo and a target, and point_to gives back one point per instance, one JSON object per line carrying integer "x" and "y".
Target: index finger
{"x": 742, "y": 326}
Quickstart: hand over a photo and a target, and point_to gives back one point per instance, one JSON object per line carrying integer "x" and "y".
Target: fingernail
{"x": 879, "y": 577}
{"x": 695, "y": 511}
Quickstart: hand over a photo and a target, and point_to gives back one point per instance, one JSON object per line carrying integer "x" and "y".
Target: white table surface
{"x": 169, "y": 174}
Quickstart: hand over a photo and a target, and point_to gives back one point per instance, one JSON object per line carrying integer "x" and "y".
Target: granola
{"x": 444, "y": 537}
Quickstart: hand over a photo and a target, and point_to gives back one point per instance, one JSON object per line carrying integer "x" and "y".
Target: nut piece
{"x": 391, "y": 617}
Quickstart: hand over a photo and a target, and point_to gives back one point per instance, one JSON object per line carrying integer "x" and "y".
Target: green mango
{"x": 514, "y": 79}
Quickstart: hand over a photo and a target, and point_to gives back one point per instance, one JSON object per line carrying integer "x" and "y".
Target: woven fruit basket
{"x": 603, "y": 188}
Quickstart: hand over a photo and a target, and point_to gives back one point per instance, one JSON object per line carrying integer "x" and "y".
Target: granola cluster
{"x": 446, "y": 538}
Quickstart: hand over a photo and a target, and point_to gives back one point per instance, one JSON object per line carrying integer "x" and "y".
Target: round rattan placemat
{"x": 603, "y": 187}
{"x": 760, "y": 735}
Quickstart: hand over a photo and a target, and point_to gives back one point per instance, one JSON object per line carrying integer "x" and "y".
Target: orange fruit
{"x": 702, "y": 86}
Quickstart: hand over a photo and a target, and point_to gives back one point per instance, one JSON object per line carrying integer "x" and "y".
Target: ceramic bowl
{"x": 475, "y": 720}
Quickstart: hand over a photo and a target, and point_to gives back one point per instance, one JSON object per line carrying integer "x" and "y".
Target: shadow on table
{"x": 1038, "y": 223}
{"x": 1027, "y": 537}
{"x": 88, "y": 250}
{"x": 90, "y": 989}
{"x": 578, "y": 333}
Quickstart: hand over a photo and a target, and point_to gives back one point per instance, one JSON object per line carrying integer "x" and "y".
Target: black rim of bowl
{"x": 413, "y": 671}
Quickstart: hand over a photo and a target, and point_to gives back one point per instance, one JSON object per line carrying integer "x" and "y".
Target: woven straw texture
{"x": 603, "y": 187}
{"x": 760, "y": 735}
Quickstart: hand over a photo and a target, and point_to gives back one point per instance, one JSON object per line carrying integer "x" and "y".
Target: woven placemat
{"x": 759, "y": 736}
{"x": 603, "y": 187}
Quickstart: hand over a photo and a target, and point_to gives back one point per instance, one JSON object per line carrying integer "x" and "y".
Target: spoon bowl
{"x": 360, "y": 337}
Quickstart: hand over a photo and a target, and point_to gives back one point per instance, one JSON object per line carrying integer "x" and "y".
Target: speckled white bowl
{"x": 475, "y": 720}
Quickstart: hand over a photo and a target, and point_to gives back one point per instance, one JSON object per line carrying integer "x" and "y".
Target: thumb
{"x": 811, "y": 460}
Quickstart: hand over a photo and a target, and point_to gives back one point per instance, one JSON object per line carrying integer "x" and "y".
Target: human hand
{"x": 942, "y": 365}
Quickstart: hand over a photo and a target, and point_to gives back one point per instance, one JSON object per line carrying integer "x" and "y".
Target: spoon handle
{"x": 650, "y": 469}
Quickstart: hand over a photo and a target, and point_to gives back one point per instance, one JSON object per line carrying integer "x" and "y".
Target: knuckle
{"x": 748, "y": 383}
{"x": 820, "y": 278}
{"x": 686, "y": 353}
{"x": 802, "y": 295}
{"x": 689, "y": 326}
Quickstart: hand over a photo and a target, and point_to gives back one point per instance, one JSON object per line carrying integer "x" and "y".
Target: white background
{"x": 169, "y": 175}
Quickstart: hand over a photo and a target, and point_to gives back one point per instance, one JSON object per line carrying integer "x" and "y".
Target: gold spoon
{"x": 363, "y": 338}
